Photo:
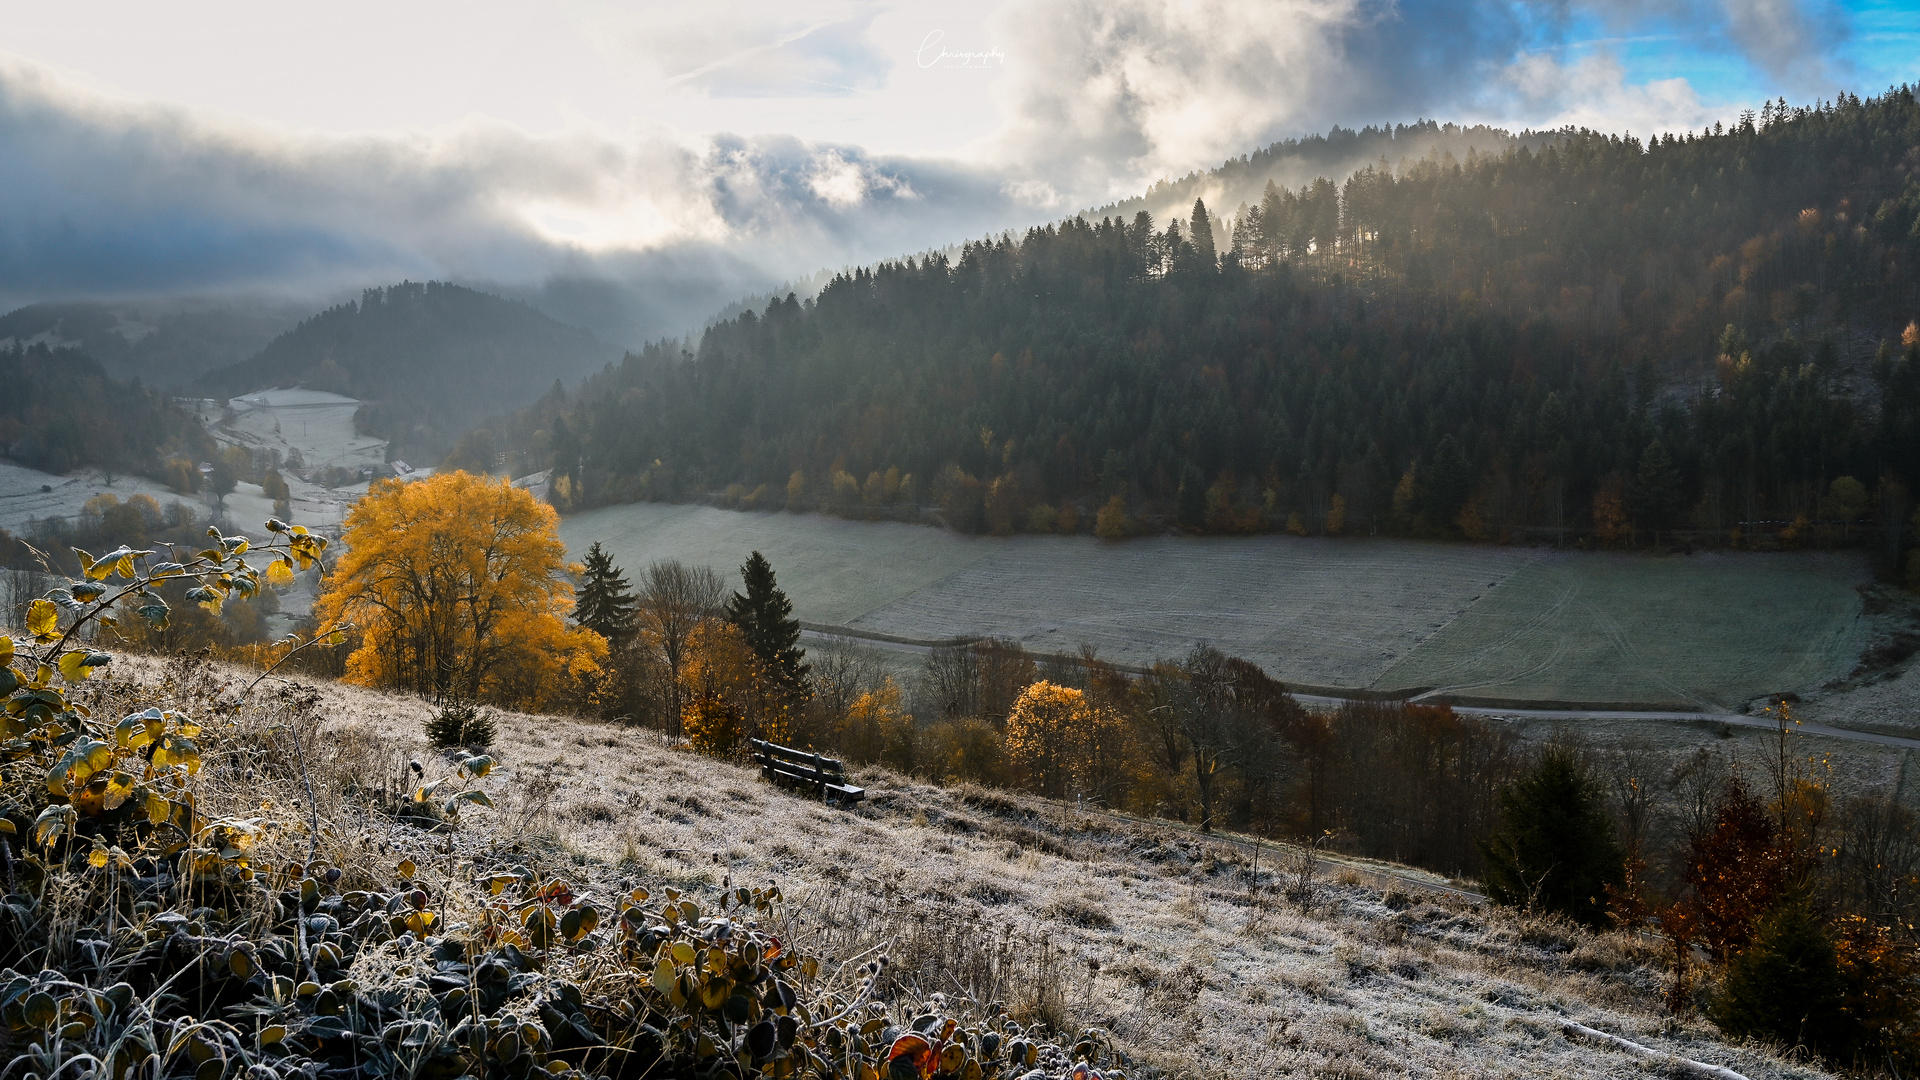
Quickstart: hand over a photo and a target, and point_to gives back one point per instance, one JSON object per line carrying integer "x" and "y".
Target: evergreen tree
{"x": 765, "y": 618}
{"x": 1554, "y": 848}
{"x": 603, "y": 602}
{"x": 1655, "y": 498}
{"x": 1202, "y": 226}
{"x": 1448, "y": 482}
{"x": 1787, "y": 985}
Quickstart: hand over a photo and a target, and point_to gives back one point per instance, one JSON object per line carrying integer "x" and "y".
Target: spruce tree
{"x": 1202, "y": 229}
{"x": 765, "y": 618}
{"x": 1555, "y": 846}
{"x": 603, "y": 603}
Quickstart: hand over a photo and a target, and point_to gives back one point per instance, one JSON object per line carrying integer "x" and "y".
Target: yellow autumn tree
{"x": 458, "y": 585}
{"x": 1043, "y": 731}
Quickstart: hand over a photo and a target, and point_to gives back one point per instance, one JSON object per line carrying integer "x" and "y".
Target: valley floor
{"x": 1709, "y": 632}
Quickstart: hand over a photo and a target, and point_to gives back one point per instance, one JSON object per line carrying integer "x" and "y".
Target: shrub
{"x": 462, "y": 723}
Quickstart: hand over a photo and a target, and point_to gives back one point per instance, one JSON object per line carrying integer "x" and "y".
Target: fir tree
{"x": 603, "y": 603}
{"x": 1554, "y": 848}
{"x": 765, "y": 618}
{"x": 1655, "y": 497}
{"x": 1202, "y": 228}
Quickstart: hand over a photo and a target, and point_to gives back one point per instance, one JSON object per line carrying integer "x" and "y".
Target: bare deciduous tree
{"x": 674, "y": 601}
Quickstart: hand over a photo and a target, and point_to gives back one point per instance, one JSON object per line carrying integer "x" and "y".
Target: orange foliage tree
{"x": 459, "y": 586}
{"x": 729, "y": 694}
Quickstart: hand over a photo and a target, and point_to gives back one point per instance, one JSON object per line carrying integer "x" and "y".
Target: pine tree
{"x": 603, "y": 602}
{"x": 1555, "y": 848}
{"x": 765, "y": 618}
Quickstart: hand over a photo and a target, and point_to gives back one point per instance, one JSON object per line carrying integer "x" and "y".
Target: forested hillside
{"x": 429, "y": 359}
{"x": 166, "y": 344}
{"x": 60, "y": 411}
{"x": 1601, "y": 335}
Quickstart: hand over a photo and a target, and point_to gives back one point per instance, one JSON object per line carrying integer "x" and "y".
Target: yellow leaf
{"x": 158, "y": 809}
{"x": 81, "y": 761}
{"x": 174, "y": 750}
{"x": 6, "y": 650}
{"x": 663, "y": 976}
{"x": 78, "y": 664}
{"x": 97, "y": 858}
{"x": 407, "y": 869}
{"x": 280, "y": 573}
{"x": 119, "y": 789}
{"x": 43, "y": 620}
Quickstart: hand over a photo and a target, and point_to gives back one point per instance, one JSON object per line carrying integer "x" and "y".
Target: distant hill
{"x": 60, "y": 410}
{"x": 430, "y": 360}
{"x": 166, "y": 344}
{"x": 1592, "y": 333}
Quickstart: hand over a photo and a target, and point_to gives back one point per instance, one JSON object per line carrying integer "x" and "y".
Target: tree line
{"x": 1600, "y": 338}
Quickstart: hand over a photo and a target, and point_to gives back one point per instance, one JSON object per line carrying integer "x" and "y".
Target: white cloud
{"x": 1592, "y": 92}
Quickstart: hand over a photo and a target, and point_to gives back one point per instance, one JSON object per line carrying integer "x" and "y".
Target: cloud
{"x": 748, "y": 48}
{"x": 1790, "y": 40}
{"x": 1097, "y": 99}
{"x": 1131, "y": 90}
{"x": 1592, "y": 92}
{"x": 109, "y": 197}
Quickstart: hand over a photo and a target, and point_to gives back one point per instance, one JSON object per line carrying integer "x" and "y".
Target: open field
{"x": 1181, "y": 948}
{"x": 317, "y": 424}
{"x": 22, "y": 500}
{"x": 1712, "y": 631}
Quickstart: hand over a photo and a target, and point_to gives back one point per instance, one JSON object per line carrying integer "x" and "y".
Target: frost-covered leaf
{"x": 43, "y": 621}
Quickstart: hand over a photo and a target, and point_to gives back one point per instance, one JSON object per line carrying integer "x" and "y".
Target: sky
{"x": 634, "y": 165}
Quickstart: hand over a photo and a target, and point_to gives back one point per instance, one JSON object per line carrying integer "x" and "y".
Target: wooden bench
{"x": 788, "y": 767}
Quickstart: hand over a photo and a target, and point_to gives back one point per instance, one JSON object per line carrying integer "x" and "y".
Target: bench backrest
{"x": 826, "y": 769}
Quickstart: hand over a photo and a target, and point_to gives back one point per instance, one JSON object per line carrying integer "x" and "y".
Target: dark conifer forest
{"x": 61, "y": 411}
{"x": 1599, "y": 337}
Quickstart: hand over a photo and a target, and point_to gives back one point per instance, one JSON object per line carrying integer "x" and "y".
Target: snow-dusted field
{"x": 1514, "y": 623}
{"x": 23, "y": 500}
{"x": 317, "y": 424}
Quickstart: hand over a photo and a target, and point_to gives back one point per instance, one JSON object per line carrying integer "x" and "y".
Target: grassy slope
{"x": 1197, "y": 972}
{"x": 1714, "y": 629}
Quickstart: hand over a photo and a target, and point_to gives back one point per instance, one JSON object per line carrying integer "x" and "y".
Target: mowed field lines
{"x": 1505, "y": 623}
{"x": 1711, "y": 630}
{"x": 1322, "y": 612}
{"x": 833, "y": 570}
